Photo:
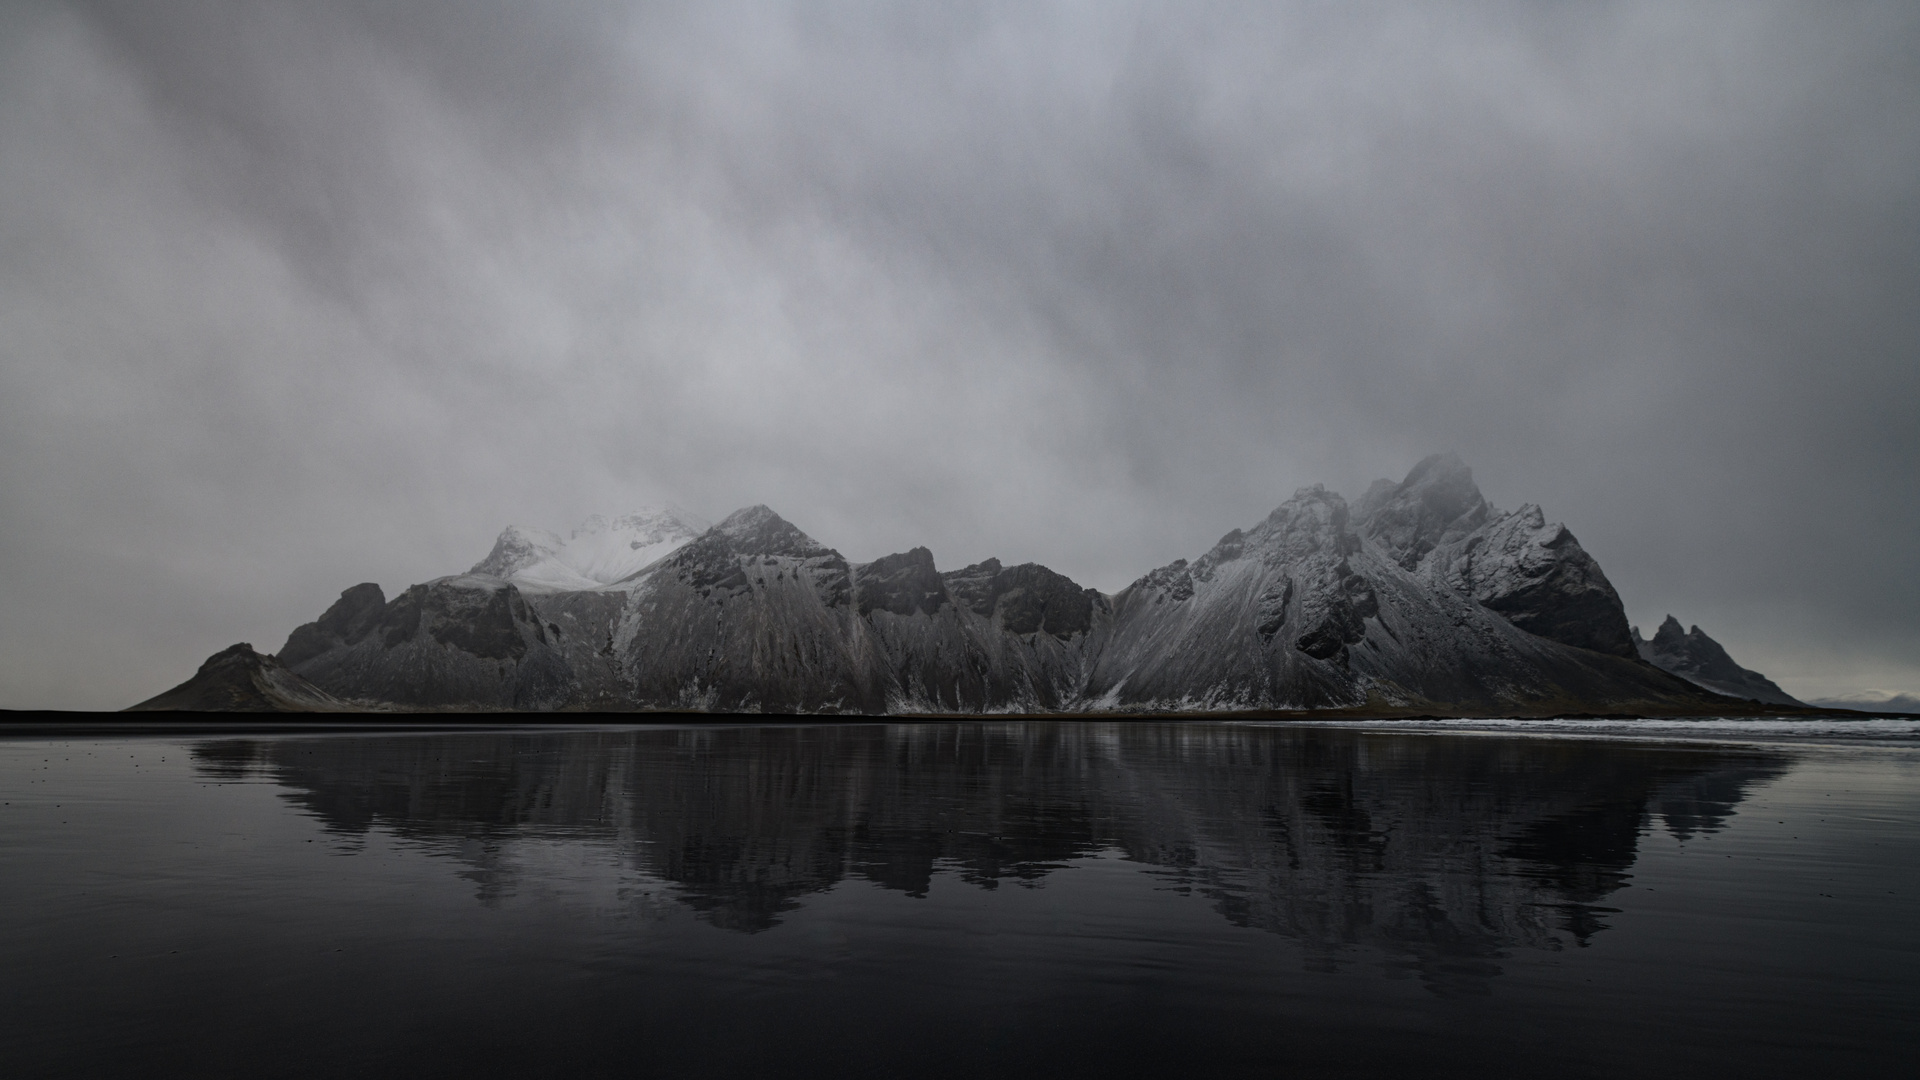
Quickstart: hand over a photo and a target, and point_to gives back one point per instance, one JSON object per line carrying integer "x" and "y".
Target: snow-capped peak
{"x": 597, "y": 553}
{"x": 758, "y": 530}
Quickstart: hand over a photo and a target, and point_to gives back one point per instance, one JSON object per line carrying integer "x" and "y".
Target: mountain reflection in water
{"x": 1442, "y": 854}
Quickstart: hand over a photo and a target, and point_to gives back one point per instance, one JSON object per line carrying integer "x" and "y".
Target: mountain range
{"x": 1420, "y": 598}
{"x": 1882, "y": 702}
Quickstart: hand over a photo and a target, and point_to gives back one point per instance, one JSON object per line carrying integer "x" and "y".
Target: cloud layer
{"x": 296, "y": 295}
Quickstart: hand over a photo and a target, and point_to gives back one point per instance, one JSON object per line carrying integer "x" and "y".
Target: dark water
{"x": 1047, "y": 899}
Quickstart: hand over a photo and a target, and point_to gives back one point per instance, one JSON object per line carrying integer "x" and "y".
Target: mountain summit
{"x": 1421, "y": 598}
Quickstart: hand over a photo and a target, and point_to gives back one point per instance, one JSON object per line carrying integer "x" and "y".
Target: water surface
{"x": 961, "y": 899}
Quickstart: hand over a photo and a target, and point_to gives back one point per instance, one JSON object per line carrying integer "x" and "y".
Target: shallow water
{"x": 962, "y": 899}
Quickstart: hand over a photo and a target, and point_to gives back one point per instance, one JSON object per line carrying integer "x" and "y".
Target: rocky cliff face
{"x": 466, "y": 642}
{"x": 757, "y": 616}
{"x": 1700, "y": 660}
{"x": 1420, "y": 598}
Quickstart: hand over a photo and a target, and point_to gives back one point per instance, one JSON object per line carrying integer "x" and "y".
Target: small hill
{"x": 237, "y": 679}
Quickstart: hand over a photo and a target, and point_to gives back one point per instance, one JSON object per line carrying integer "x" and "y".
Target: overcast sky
{"x": 298, "y": 295}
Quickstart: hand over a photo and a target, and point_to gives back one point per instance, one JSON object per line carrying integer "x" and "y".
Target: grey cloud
{"x": 296, "y": 295}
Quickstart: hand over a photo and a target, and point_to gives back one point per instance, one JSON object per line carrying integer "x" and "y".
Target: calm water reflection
{"x": 1438, "y": 850}
{"x": 1023, "y": 897}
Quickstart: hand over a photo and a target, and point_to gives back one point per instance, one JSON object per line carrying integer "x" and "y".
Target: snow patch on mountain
{"x": 599, "y": 553}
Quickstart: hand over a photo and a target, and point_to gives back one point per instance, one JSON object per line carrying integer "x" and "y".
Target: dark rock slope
{"x": 1421, "y": 598}
{"x": 757, "y": 616}
{"x": 1700, "y": 660}
{"x": 237, "y": 679}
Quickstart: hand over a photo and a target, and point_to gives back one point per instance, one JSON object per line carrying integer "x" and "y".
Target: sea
{"x": 699, "y": 899}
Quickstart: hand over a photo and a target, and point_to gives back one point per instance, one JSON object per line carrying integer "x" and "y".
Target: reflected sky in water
{"x": 950, "y": 898}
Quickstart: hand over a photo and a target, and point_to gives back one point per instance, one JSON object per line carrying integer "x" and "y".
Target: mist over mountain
{"x": 1422, "y": 598}
{"x": 597, "y": 552}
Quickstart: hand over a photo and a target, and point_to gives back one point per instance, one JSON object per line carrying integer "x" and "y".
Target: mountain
{"x": 1700, "y": 660}
{"x": 1420, "y": 598}
{"x": 237, "y": 679}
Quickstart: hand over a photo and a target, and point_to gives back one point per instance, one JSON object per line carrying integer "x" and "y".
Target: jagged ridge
{"x": 1700, "y": 660}
{"x": 1421, "y": 598}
